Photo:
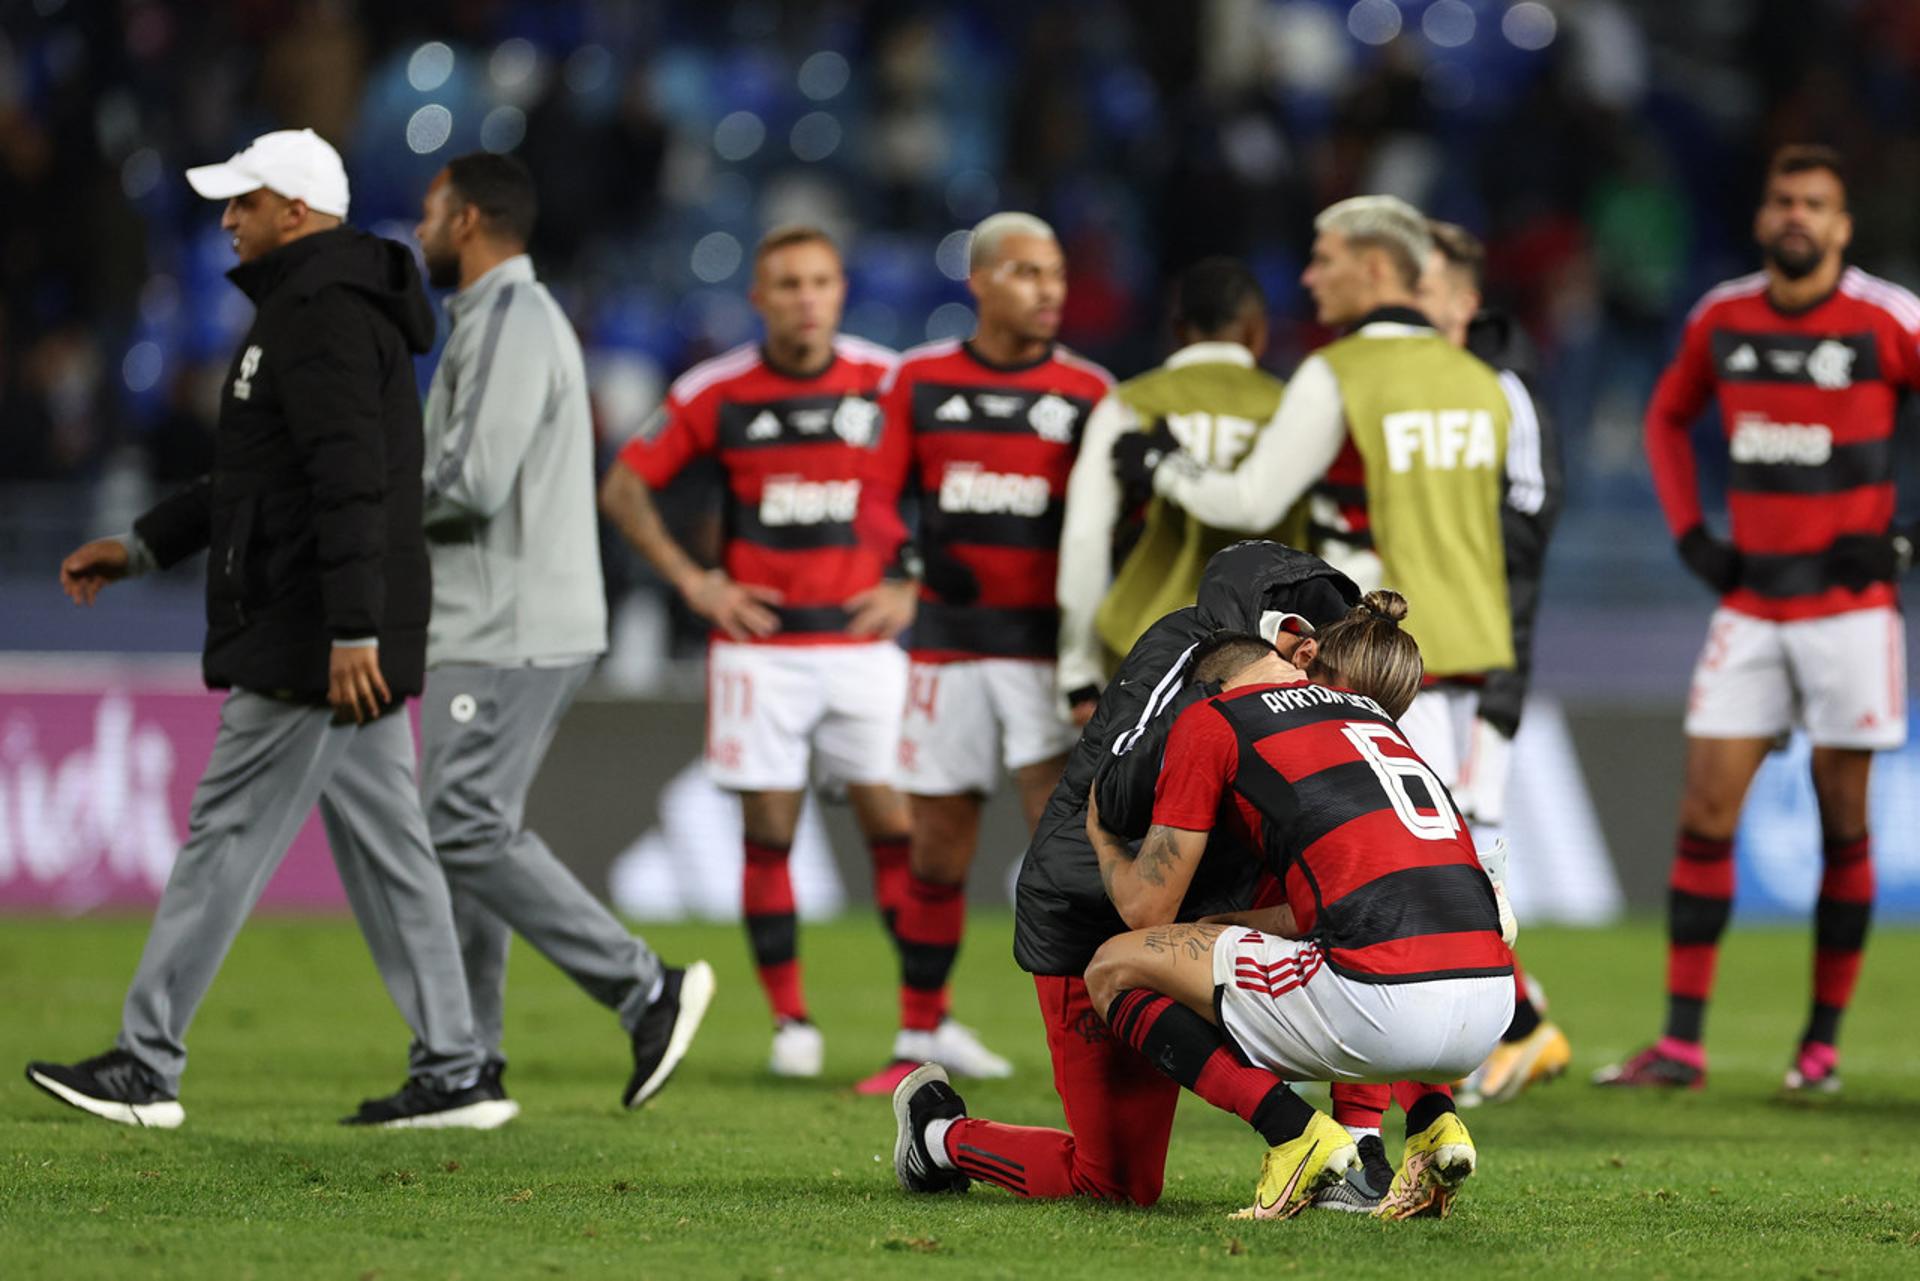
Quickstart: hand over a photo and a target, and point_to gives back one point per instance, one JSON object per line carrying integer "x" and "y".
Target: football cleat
{"x": 1361, "y": 1191}
{"x": 953, "y": 1046}
{"x": 1656, "y": 1068}
{"x": 922, "y": 1096}
{"x": 798, "y": 1049}
{"x": 1815, "y": 1074}
{"x": 661, "y": 1037}
{"x": 1293, "y": 1173}
{"x": 421, "y": 1105}
{"x": 1433, "y": 1165}
{"x": 114, "y": 1086}
{"x": 1541, "y": 1055}
{"x": 957, "y": 1048}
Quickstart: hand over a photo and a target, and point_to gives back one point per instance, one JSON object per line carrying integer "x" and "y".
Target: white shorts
{"x": 965, "y": 720}
{"x": 1843, "y": 678}
{"x": 770, "y": 708}
{"x": 1471, "y": 758}
{"x": 1293, "y": 1014}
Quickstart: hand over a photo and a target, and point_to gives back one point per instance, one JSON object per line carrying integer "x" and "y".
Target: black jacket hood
{"x": 1245, "y": 580}
{"x": 1499, "y": 339}
{"x": 381, "y": 271}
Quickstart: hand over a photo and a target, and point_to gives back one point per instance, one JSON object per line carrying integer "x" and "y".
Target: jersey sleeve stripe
{"x": 857, "y": 348}
{"x": 1896, "y": 301}
{"x": 714, "y": 369}
{"x": 1738, "y": 287}
{"x": 1068, "y": 356}
{"x": 1526, "y": 481}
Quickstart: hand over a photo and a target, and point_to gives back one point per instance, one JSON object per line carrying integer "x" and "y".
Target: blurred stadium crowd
{"x": 1609, "y": 151}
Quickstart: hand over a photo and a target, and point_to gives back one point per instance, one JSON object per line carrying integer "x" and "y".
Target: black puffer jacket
{"x": 1061, "y": 911}
{"x": 312, "y": 510}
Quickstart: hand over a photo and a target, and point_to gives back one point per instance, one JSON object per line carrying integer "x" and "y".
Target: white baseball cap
{"x": 296, "y": 163}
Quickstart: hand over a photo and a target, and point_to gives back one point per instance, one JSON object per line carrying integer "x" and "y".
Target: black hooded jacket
{"x": 1061, "y": 911}
{"x": 312, "y": 510}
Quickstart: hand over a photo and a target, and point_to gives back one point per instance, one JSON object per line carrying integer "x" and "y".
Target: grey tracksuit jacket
{"x": 510, "y": 515}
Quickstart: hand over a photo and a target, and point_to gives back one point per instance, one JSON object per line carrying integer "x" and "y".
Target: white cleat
{"x": 957, "y": 1048}
{"x": 798, "y": 1050}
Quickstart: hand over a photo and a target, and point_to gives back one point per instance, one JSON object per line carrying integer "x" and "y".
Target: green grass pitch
{"x": 729, "y": 1173}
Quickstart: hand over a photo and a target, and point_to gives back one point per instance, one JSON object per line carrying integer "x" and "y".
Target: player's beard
{"x": 1795, "y": 263}
{"x": 443, "y": 268}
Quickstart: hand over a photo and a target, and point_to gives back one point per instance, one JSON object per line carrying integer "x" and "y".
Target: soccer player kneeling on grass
{"x": 1385, "y": 963}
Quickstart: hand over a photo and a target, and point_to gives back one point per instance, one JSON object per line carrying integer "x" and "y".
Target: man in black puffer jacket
{"x": 317, "y": 600}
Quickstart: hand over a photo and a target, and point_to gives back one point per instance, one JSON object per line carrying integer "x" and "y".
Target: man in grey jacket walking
{"x": 519, "y": 616}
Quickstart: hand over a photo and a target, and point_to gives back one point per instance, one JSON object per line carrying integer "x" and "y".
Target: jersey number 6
{"x": 1436, "y": 820}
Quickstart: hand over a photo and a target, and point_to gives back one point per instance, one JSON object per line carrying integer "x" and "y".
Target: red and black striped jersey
{"x": 806, "y": 509}
{"x": 1807, "y": 402}
{"x": 1378, "y": 866}
{"x": 989, "y": 449}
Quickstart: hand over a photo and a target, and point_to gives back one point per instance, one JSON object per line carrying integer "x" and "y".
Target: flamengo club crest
{"x": 854, "y": 420}
{"x": 1830, "y": 365}
{"x": 1052, "y": 418}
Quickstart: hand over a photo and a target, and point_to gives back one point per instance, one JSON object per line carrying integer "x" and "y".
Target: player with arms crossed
{"x": 1807, "y": 359}
{"x": 803, "y": 662}
{"x": 985, "y": 432}
{"x": 1402, "y": 971}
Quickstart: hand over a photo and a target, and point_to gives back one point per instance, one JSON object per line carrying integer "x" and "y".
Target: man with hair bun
{"x": 984, "y": 432}
{"x": 1385, "y": 894}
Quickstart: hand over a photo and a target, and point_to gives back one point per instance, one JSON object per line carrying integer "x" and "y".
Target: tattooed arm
{"x": 1277, "y": 921}
{"x": 1146, "y": 887}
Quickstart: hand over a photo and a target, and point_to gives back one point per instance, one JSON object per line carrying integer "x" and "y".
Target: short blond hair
{"x": 983, "y": 244}
{"x": 1387, "y": 223}
{"x": 788, "y": 236}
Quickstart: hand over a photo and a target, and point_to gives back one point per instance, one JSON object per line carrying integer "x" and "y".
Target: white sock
{"x": 1360, "y": 1132}
{"x": 937, "y": 1141}
{"x": 659, "y": 986}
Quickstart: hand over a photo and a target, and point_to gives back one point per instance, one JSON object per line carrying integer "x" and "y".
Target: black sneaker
{"x": 661, "y": 1037}
{"x": 420, "y": 1105}
{"x": 490, "y": 1080}
{"x": 114, "y": 1086}
{"x": 1361, "y": 1191}
{"x": 924, "y": 1095}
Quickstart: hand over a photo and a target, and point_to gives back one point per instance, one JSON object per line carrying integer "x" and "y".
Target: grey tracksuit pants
{"x": 271, "y": 763}
{"x": 483, "y": 733}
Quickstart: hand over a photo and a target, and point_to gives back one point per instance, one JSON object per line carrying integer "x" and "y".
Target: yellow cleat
{"x": 1433, "y": 1165}
{"x": 1541, "y": 1055}
{"x": 1291, "y": 1173}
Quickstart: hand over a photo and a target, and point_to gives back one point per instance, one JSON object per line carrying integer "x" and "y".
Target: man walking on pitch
{"x": 519, "y": 615}
{"x": 803, "y": 669}
{"x": 985, "y": 431}
{"x": 1808, "y": 359}
{"x": 317, "y": 600}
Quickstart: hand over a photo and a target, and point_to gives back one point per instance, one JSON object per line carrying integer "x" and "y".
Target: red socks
{"x": 1699, "y": 904}
{"x": 889, "y": 877}
{"x": 766, "y": 900}
{"x": 1840, "y": 920}
{"x": 932, "y": 918}
{"x": 1195, "y": 1053}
